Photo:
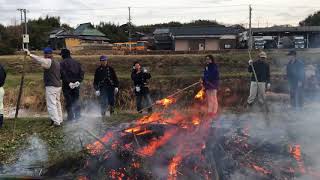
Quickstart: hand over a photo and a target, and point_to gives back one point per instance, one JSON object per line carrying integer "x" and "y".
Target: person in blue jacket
{"x": 210, "y": 82}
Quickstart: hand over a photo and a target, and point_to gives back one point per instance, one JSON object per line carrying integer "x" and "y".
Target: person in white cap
{"x": 260, "y": 71}
{"x": 52, "y": 82}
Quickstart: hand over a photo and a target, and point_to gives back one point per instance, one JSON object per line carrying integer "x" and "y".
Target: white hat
{"x": 263, "y": 54}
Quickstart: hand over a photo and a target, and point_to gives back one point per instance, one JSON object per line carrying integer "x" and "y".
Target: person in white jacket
{"x": 52, "y": 82}
{"x": 3, "y": 76}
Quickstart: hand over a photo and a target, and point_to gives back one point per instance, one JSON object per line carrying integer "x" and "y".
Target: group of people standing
{"x": 67, "y": 76}
{"x": 260, "y": 79}
{"x": 105, "y": 83}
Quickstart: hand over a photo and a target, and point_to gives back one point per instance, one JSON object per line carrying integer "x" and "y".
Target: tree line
{"x": 39, "y": 29}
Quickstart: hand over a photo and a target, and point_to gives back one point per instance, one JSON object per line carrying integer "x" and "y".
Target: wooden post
{"x": 21, "y": 88}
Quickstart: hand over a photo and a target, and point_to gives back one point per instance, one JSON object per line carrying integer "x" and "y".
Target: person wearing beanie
{"x": 106, "y": 85}
{"x": 52, "y": 82}
{"x": 72, "y": 76}
{"x": 260, "y": 69}
{"x": 3, "y": 76}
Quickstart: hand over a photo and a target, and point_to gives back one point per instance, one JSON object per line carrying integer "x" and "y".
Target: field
{"x": 169, "y": 73}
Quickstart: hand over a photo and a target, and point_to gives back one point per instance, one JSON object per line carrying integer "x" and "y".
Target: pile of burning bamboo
{"x": 187, "y": 144}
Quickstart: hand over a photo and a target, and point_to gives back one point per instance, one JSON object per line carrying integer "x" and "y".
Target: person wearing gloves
{"x": 140, "y": 77}
{"x": 72, "y": 75}
{"x": 296, "y": 78}
{"x": 52, "y": 82}
{"x": 260, "y": 69}
{"x": 106, "y": 85}
{"x": 210, "y": 83}
{"x": 3, "y": 76}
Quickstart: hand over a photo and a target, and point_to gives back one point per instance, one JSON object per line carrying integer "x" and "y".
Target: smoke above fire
{"x": 77, "y": 131}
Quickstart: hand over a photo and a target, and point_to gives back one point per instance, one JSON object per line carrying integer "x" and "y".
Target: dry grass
{"x": 169, "y": 73}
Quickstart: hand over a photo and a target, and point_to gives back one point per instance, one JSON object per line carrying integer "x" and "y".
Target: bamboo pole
{"x": 19, "y": 96}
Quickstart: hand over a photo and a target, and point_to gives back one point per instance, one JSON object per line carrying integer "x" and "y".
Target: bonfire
{"x": 187, "y": 144}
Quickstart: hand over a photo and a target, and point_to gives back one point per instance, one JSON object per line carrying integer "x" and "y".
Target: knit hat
{"x": 103, "y": 58}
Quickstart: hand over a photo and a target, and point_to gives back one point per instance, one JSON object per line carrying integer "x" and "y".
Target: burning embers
{"x": 156, "y": 143}
{"x": 185, "y": 145}
{"x": 295, "y": 150}
{"x": 97, "y": 147}
{"x": 166, "y": 102}
{"x": 173, "y": 167}
{"x": 200, "y": 95}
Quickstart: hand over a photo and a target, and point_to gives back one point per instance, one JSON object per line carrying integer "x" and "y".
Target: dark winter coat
{"x": 211, "y": 77}
{"x": 105, "y": 76}
{"x": 141, "y": 80}
{"x": 71, "y": 71}
{"x": 295, "y": 72}
{"x": 3, "y": 76}
{"x": 262, "y": 70}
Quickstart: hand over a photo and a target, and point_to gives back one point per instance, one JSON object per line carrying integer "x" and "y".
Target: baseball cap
{"x": 47, "y": 50}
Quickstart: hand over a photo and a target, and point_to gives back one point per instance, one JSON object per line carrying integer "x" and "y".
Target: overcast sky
{"x": 74, "y": 12}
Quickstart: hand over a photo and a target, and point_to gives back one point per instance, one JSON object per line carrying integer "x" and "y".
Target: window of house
{"x": 227, "y": 46}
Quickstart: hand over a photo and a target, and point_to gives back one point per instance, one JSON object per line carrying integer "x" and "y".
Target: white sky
{"x": 74, "y": 12}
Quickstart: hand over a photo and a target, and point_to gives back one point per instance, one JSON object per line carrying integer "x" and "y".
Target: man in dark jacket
{"x": 72, "y": 75}
{"x": 210, "y": 82}
{"x": 106, "y": 85}
{"x": 261, "y": 71}
{"x": 3, "y": 76}
{"x": 296, "y": 77}
{"x": 140, "y": 77}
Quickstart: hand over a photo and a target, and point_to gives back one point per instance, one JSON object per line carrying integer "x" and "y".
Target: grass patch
{"x": 53, "y": 137}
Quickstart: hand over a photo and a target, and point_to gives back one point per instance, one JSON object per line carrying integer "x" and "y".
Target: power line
{"x": 265, "y": 6}
{"x": 250, "y": 28}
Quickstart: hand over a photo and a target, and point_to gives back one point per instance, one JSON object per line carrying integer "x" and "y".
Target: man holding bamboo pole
{"x": 52, "y": 81}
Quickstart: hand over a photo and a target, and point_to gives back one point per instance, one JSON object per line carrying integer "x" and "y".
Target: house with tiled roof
{"x": 85, "y": 36}
{"x": 203, "y": 38}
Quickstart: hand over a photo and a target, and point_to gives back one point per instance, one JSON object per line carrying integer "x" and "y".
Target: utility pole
{"x": 25, "y": 25}
{"x": 22, "y": 29}
{"x": 129, "y": 26}
{"x": 25, "y": 42}
{"x": 250, "y": 28}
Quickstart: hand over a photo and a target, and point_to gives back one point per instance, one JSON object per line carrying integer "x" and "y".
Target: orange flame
{"x": 296, "y": 153}
{"x": 97, "y": 146}
{"x": 148, "y": 119}
{"x": 176, "y": 118}
{"x": 196, "y": 121}
{"x": 134, "y": 130}
{"x": 151, "y": 148}
{"x": 166, "y": 101}
{"x": 116, "y": 175}
{"x": 83, "y": 178}
{"x": 136, "y": 165}
{"x": 173, "y": 167}
{"x": 200, "y": 95}
{"x": 260, "y": 169}
{"x": 145, "y": 132}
